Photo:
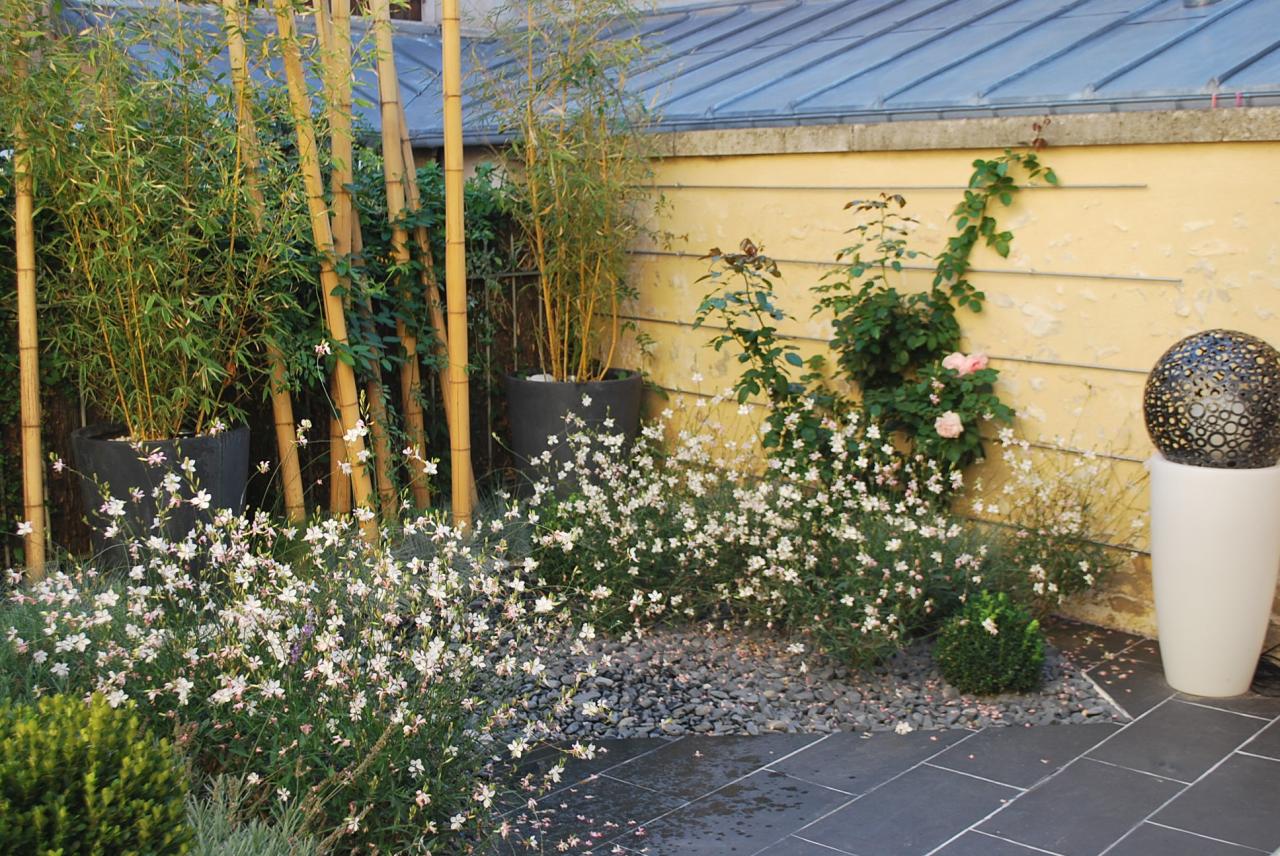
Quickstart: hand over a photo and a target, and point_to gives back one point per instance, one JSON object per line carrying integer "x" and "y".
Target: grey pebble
{"x": 675, "y": 681}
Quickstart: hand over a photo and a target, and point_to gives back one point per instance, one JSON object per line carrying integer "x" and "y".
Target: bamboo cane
{"x": 337, "y": 84}
{"x": 281, "y": 403}
{"x": 427, "y": 280}
{"x": 339, "y": 481}
{"x": 395, "y": 174}
{"x": 28, "y": 349}
{"x": 322, "y": 231}
{"x": 377, "y": 403}
{"x": 455, "y": 266}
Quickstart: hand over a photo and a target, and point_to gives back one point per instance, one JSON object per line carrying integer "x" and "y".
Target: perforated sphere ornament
{"x": 1213, "y": 400}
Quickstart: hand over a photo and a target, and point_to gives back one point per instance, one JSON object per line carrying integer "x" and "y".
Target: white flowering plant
{"x": 1060, "y": 522}
{"x": 374, "y": 691}
{"x": 849, "y": 549}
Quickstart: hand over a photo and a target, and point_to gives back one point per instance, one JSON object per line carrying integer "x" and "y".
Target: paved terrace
{"x": 1185, "y": 776}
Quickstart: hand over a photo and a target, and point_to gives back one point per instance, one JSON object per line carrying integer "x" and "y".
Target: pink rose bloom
{"x": 948, "y": 425}
{"x": 974, "y": 363}
{"x": 956, "y": 362}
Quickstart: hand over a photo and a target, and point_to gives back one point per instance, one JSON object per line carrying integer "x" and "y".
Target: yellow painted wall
{"x": 1143, "y": 244}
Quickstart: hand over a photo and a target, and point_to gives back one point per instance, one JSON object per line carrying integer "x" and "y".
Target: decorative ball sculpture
{"x": 1213, "y": 400}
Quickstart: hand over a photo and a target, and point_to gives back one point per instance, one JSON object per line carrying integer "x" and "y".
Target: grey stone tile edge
{"x": 1183, "y": 790}
{"x": 974, "y": 826}
{"x": 616, "y": 840}
{"x": 1088, "y": 673}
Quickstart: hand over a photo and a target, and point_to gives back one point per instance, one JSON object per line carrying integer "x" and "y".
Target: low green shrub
{"x": 992, "y": 646}
{"x": 87, "y": 779}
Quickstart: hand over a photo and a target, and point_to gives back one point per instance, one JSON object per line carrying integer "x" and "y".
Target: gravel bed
{"x": 691, "y": 681}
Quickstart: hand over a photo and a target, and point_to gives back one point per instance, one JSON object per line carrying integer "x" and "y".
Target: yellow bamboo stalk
{"x": 339, "y": 482}
{"x": 322, "y": 231}
{"x": 395, "y": 173}
{"x": 455, "y": 265}
{"x": 28, "y": 350}
{"x": 295, "y": 505}
{"x": 335, "y": 61}
{"x": 377, "y": 404}
{"x": 427, "y": 279}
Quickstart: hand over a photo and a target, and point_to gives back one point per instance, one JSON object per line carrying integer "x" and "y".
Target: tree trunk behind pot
{"x": 539, "y": 409}
{"x": 112, "y": 467}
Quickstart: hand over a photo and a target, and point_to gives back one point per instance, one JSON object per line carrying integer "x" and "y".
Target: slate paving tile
{"x": 1082, "y": 809}
{"x": 1022, "y": 756}
{"x": 1178, "y": 740}
{"x": 1237, "y": 802}
{"x": 694, "y": 766}
{"x": 1136, "y": 685}
{"x": 1268, "y": 707}
{"x": 911, "y": 815}
{"x": 609, "y": 753}
{"x": 1149, "y": 839}
{"x": 854, "y": 763}
{"x": 979, "y": 844}
{"x": 1267, "y": 742}
{"x": 580, "y": 818}
{"x": 1085, "y": 644}
{"x": 1142, "y": 651}
{"x": 793, "y": 846}
{"x": 739, "y": 818}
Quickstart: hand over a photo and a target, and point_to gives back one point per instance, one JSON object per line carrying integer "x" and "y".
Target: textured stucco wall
{"x": 1144, "y": 243}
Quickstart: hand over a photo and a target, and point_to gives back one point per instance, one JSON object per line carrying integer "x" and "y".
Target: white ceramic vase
{"x": 1215, "y": 555}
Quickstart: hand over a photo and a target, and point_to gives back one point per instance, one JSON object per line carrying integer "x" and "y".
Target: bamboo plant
{"x": 281, "y": 401}
{"x": 28, "y": 344}
{"x": 397, "y": 173}
{"x": 322, "y": 232}
{"x": 159, "y": 291}
{"x": 456, "y": 267}
{"x": 580, "y": 165}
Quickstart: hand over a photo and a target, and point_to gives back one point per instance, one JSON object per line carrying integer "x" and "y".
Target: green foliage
{"x": 898, "y": 347}
{"x": 914, "y": 406}
{"x": 87, "y": 779}
{"x": 881, "y": 335}
{"x": 157, "y": 280}
{"x": 991, "y": 646}
{"x": 744, "y": 302}
{"x": 581, "y": 166}
{"x": 1057, "y": 513}
{"x": 989, "y": 182}
{"x": 225, "y": 824}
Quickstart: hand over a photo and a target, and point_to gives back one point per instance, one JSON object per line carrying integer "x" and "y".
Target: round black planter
{"x": 112, "y": 467}
{"x": 537, "y": 409}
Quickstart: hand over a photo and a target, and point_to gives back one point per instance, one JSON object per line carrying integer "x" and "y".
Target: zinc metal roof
{"x": 759, "y": 63}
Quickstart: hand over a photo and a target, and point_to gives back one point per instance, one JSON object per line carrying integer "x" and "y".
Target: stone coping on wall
{"x": 1225, "y": 124}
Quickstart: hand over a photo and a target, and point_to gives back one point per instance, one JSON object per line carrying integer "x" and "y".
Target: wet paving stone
{"x": 857, "y": 763}
{"x": 910, "y": 815}
{"x": 1083, "y": 809}
{"x": 739, "y": 818}
{"x": 1020, "y": 756}
{"x": 1158, "y": 743}
{"x": 1236, "y": 802}
{"x": 695, "y": 766}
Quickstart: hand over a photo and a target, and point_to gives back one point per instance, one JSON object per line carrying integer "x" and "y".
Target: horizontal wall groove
{"x": 1035, "y": 444}
{"x": 874, "y": 187}
{"x": 799, "y": 337}
{"x": 1126, "y": 277}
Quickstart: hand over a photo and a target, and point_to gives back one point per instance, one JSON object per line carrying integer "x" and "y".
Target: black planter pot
{"x": 111, "y": 466}
{"x": 537, "y": 409}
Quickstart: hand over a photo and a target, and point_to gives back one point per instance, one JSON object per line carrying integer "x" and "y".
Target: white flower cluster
{"x": 315, "y": 667}
{"x": 849, "y": 547}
